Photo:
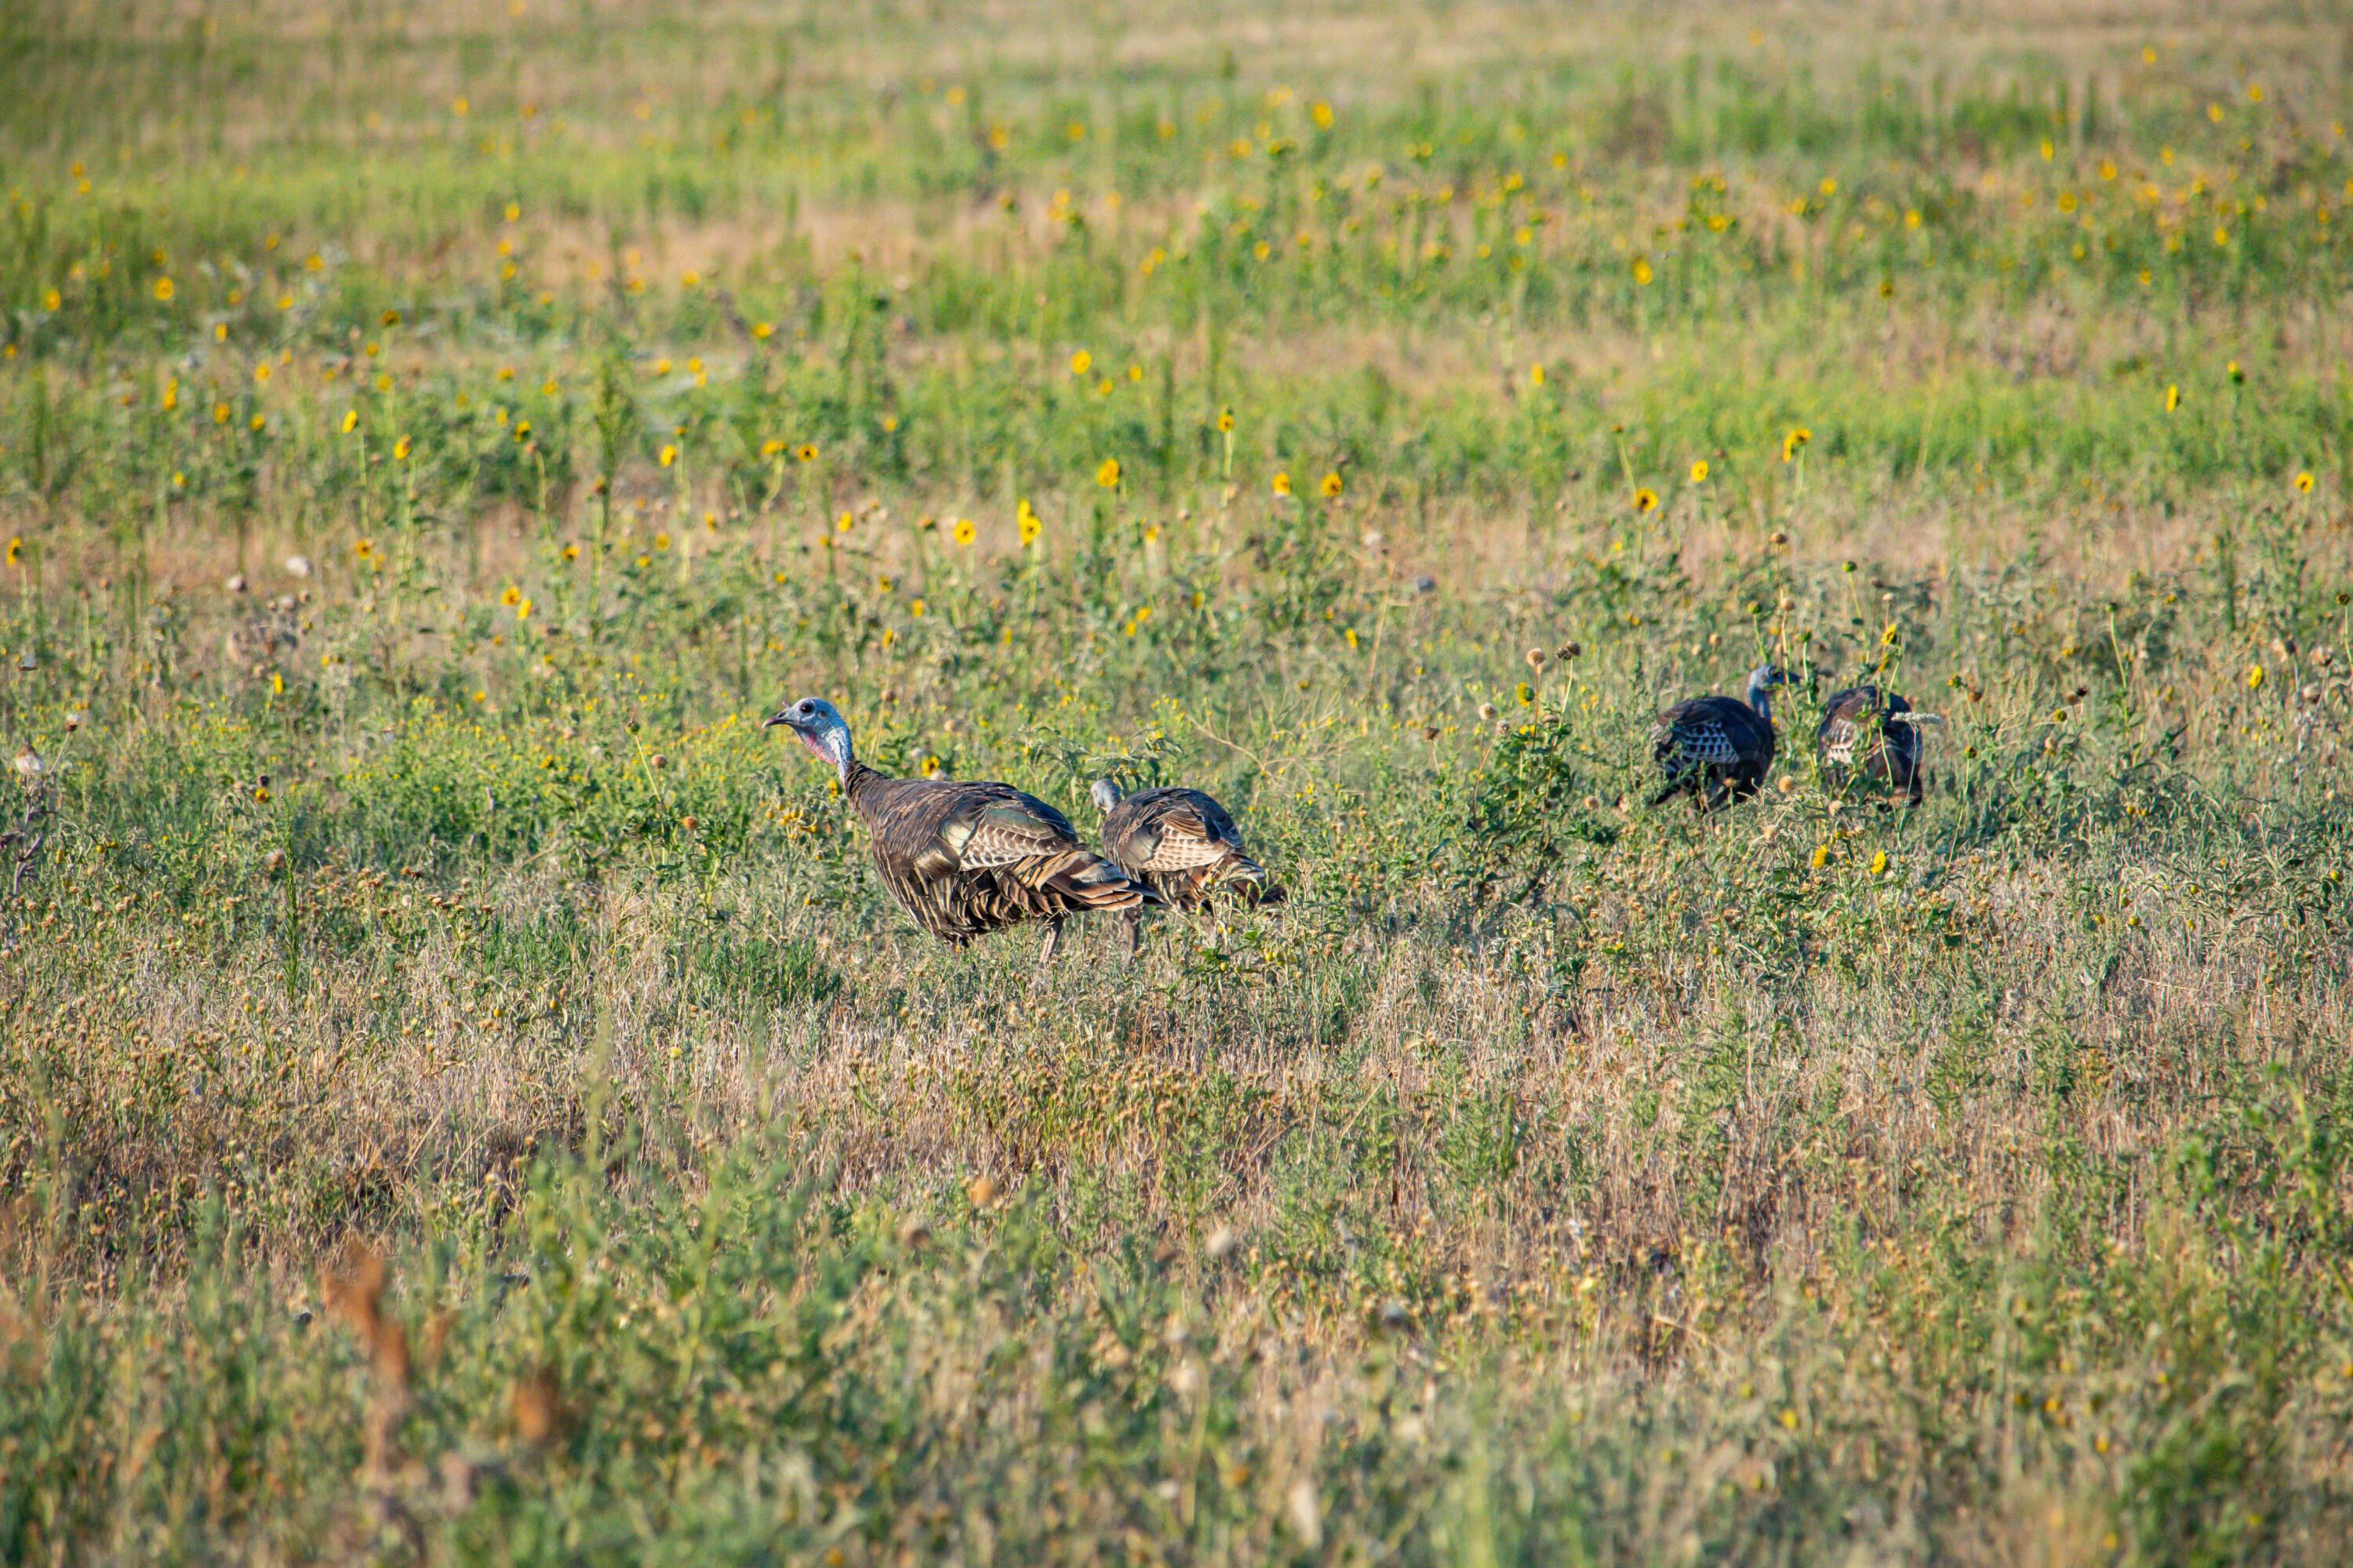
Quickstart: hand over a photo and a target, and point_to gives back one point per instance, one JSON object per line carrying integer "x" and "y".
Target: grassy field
{"x": 465, "y": 1096}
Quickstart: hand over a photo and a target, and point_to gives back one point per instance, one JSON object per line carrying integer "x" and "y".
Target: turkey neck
{"x": 1761, "y": 700}
{"x": 862, "y": 785}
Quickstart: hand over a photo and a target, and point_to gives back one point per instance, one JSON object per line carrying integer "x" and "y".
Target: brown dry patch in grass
{"x": 888, "y": 239}
{"x": 1926, "y": 535}
{"x": 368, "y": 1116}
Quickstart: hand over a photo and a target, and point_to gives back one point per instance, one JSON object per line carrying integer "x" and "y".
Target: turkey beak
{"x": 774, "y": 719}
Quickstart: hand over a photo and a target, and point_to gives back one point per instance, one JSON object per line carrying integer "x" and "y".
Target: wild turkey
{"x": 1875, "y": 737}
{"x": 1718, "y": 748}
{"x": 1183, "y": 845}
{"x": 965, "y": 859}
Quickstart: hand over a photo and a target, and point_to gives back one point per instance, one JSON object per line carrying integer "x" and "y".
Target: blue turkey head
{"x": 1762, "y": 680}
{"x": 820, "y": 727}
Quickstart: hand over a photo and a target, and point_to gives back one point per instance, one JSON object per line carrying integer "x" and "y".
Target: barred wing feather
{"x": 1716, "y": 747}
{"x": 964, "y": 859}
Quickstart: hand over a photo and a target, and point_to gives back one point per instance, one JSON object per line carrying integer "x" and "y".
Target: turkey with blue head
{"x": 1717, "y": 749}
{"x": 965, "y": 859}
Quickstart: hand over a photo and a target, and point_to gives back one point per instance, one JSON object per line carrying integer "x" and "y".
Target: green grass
{"x": 465, "y": 1096}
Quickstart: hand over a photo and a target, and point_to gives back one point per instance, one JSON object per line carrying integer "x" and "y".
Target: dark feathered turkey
{"x": 1183, "y": 845}
{"x": 1872, "y": 736}
{"x": 967, "y": 858}
{"x": 1717, "y": 748}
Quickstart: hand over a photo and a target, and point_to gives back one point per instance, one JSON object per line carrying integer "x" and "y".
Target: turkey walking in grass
{"x": 1872, "y": 737}
{"x": 965, "y": 859}
{"x": 1183, "y": 845}
{"x": 1718, "y": 748}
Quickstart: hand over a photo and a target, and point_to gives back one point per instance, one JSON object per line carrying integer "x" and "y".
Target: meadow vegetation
{"x": 464, "y": 1095}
